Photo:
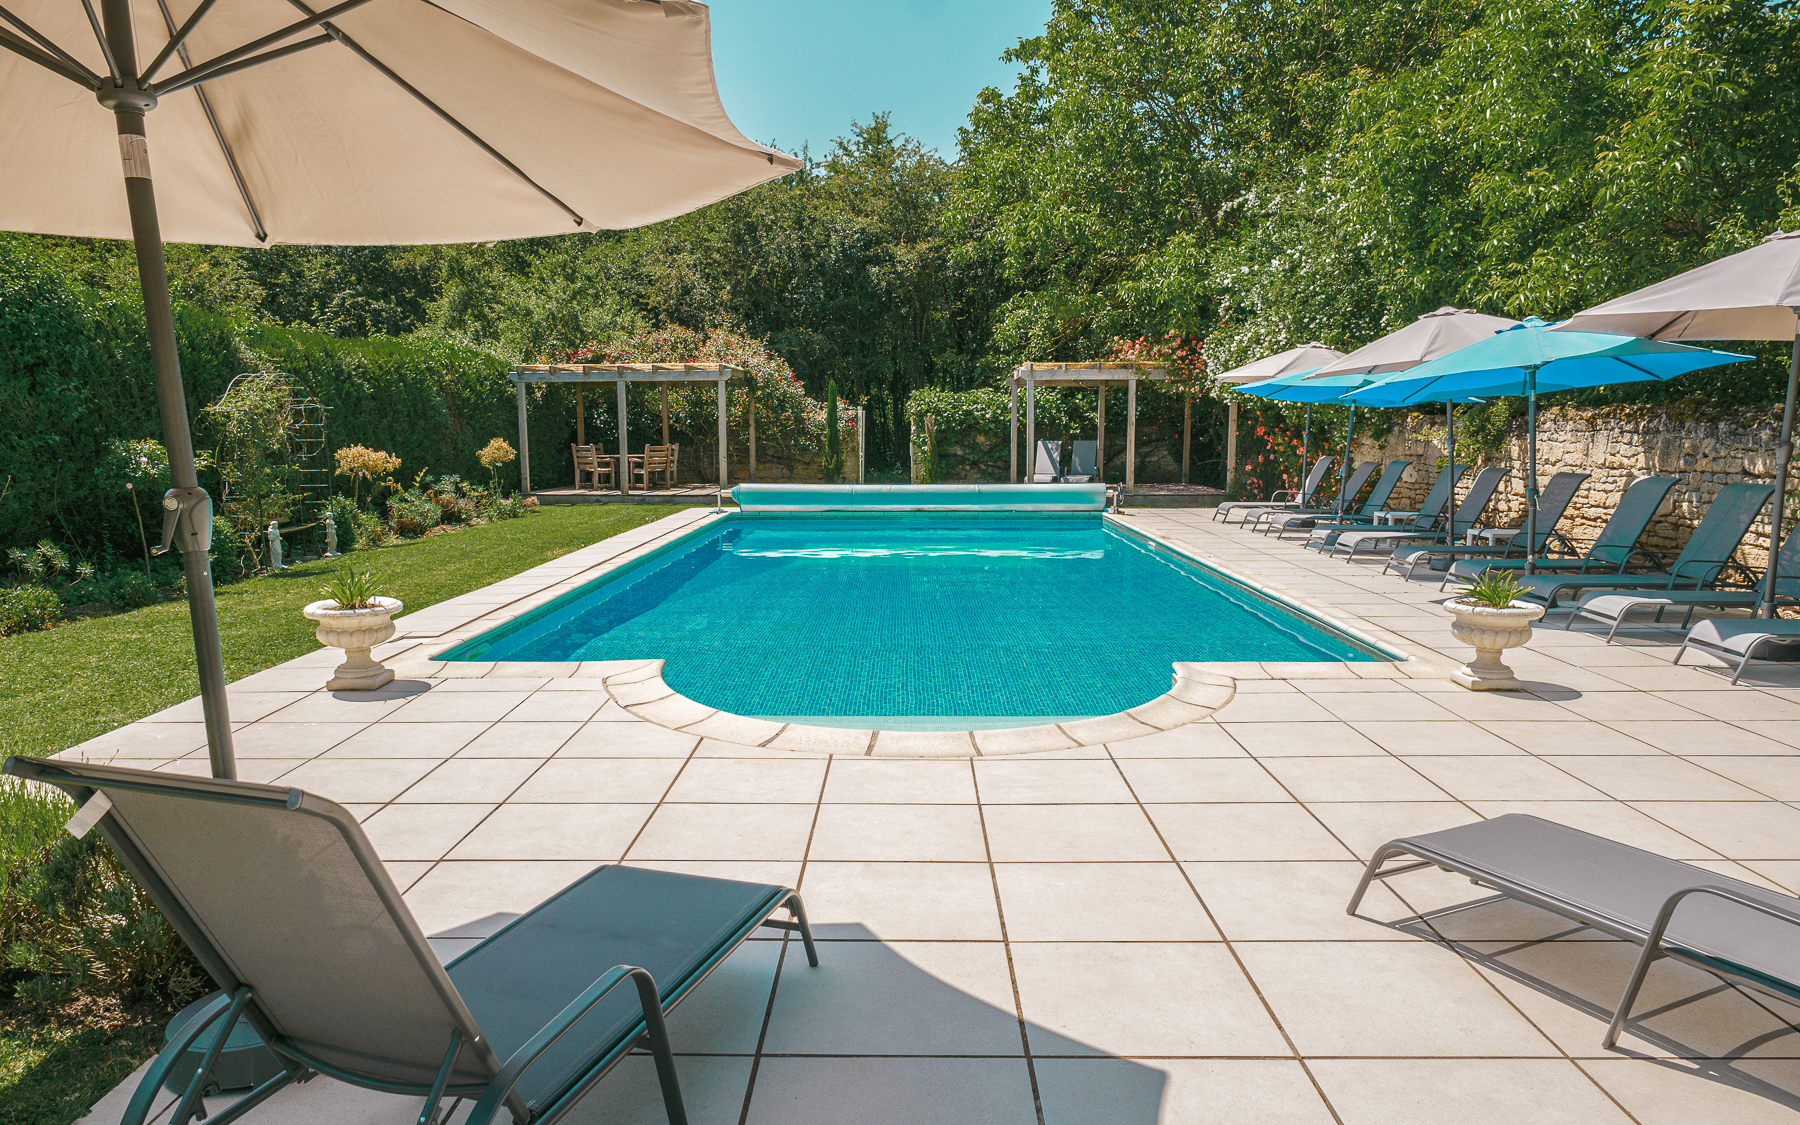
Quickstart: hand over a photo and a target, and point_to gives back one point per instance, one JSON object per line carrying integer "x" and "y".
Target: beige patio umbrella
{"x": 1306, "y": 357}
{"x": 366, "y": 122}
{"x": 1751, "y": 295}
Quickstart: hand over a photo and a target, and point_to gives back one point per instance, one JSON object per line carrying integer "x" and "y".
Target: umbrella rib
{"x": 443, "y": 114}
{"x": 44, "y": 41}
{"x": 188, "y": 78}
{"x": 208, "y": 68}
{"x": 177, "y": 39}
{"x": 178, "y": 44}
{"x": 25, "y": 50}
{"x": 106, "y": 51}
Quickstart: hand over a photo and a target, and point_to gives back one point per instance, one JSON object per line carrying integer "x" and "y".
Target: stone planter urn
{"x": 1491, "y": 631}
{"x": 356, "y": 631}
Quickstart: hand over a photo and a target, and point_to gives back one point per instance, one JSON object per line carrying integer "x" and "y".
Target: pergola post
{"x": 1012, "y": 443}
{"x": 724, "y": 451}
{"x": 1131, "y": 431}
{"x": 1100, "y": 434}
{"x": 624, "y": 446}
{"x": 1031, "y": 429}
{"x": 1231, "y": 445}
{"x": 524, "y": 446}
{"x": 1187, "y": 434}
{"x": 862, "y": 443}
{"x": 665, "y": 412}
{"x": 580, "y": 417}
{"x": 750, "y": 408}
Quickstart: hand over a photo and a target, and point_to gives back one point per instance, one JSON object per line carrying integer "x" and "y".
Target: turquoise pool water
{"x": 918, "y": 621}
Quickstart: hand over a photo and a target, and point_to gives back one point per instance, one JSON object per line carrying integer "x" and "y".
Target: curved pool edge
{"x": 1194, "y": 694}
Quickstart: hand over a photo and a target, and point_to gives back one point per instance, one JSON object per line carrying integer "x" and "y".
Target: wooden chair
{"x": 655, "y": 459}
{"x": 592, "y": 460}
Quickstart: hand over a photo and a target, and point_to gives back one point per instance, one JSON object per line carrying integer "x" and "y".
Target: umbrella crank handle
{"x": 187, "y": 512}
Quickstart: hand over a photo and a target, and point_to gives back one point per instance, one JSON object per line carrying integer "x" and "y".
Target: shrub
{"x": 413, "y": 513}
{"x": 502, "y": 507}
{"x": 369, "y": 531}
{"x": 456, "y": 499}
{"x": 127, "y": 590}
{"x": 493, "y": 455}
{"x": 25, "y": 608}
{"x": 74, "y": 920}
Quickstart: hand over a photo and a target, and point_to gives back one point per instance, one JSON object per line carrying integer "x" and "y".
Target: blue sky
{"x": 798, "y": 71}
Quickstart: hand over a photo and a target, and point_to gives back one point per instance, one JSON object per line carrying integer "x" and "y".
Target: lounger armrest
{"x": 1653, "y": 942}
{"x": 499, "y": 1091}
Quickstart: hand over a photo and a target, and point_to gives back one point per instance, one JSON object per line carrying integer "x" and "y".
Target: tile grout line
{"x": 1012, "y": 973}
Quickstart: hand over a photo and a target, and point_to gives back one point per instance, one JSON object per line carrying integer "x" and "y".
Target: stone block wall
{"x": 1615, "y": 445}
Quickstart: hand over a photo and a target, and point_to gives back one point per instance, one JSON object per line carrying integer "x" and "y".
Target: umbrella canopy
{"x": 1531, "y": 354}
{"x": 1751, "y": 295}
{"x": 1306, "y": 386}
{"x": 1530, "y": 357}
{"x": 1435, "y": 334}
{"x": 403, "y": 122}
{"x": 395, "y": 121}
{"x": 1305, "y": 358}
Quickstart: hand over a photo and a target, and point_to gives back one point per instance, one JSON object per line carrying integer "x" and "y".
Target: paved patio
{"x": 1147, "y": 930}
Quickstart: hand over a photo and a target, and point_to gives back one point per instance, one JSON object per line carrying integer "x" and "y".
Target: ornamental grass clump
{"x": 1496, "y": 589}
{"x": 351, "y": 589}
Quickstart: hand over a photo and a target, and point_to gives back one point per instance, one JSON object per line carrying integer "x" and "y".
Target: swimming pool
{"x": 916, "y": 622}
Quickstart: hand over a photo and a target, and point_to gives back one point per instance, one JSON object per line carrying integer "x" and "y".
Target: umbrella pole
{"x": 187, "y": 509}
{"x": 1450, "y": 466}
{"x": 1349, "y": 432}
{"x": 1306, "y": 448}
{"x": 1784, "y": 453}
{"x": 1531, "y": 489}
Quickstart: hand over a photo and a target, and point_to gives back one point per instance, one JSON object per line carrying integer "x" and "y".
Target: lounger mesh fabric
{"x": 1378, "y": 496}
{"x": 1351, "y": 486}
{"x": 1302, "y": 496}
{"x": 1613, "y": 547}
{"x": 518, "y": 980}
{"x": 1621, "y": 888}
{"x": 283, "y": 898}
{"x": 1427, "y": 523}
{"x": 1433, "y": 506}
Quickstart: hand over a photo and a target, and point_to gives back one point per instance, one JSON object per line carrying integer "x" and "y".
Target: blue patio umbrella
{"x": 1301, "y": 387}
{"x": 1528, "y": 358}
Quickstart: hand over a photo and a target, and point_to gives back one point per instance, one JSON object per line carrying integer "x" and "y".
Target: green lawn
{"x": 69, "y": 684}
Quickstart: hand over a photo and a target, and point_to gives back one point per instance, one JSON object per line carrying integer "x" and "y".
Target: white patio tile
{"x": 596, "y": 832}
{"x": 1661, "y": 778}
{"x": 1244, "y": 832}
{"x": 406, "y": 740}
{"x": 901, "y": 901}
{"x": 891, "y": 781}
{"x": 898, "y": 832}
{"x": 629, "y": 739}
{"x": 736, "y": 832}
{"x": 1140, "y": 999}
{"x": 1414, "y": 999}
{"x": 421, "y": 832}
{"x": 789, "y": 780}
{"x": 1094, "y": 833}
{"x": 357, "y": 779}
{"x": 1478, "y": 1092}
{"x": 471, "y": 779}
{"x": 602, "y": 780}
{"x": 1013, "y": 781}
{"x": 1178, "y": 1092}
{"x": 892, "y": 1091}
{"x": 1100, "y": 902}
{"x": 1165, "y": 780}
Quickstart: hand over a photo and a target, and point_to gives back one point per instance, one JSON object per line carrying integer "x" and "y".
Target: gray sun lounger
{"x": 1047, "y": 469}
{"x": 1732, "y": 929}
{"x": 1702, "y": 562}
{"x": 1613, "y": 608}
{"x": 290, "y": 911}
{"x": 1325, "y": 535}
{"x": 1553, "y": 501}
{"x": 1611, "y": 552}
{"x": 1082, "y": 455}
{"x": 1743, "y": 639}
{"x": 1426, "y": 526}
{"x": 1297, "y": 497}
{"x": 1283, "y": 522}
{"x": 1352, "y": 485}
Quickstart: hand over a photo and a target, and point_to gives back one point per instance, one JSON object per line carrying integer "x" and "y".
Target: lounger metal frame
{"x": 1743, "y": 661}
{"x": 1432, "y": 528}
{"x": 1300, "y": 496}
{"x": 1555, "y": 498}
{"x": 1652, "y": 939}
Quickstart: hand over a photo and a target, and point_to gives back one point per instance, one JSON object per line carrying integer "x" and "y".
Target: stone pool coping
{"x": 1197, "y": 688}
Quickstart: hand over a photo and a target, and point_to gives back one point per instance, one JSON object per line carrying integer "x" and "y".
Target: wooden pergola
{"x": 1094, "y": 375}
{"x": 622, "y": 375}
